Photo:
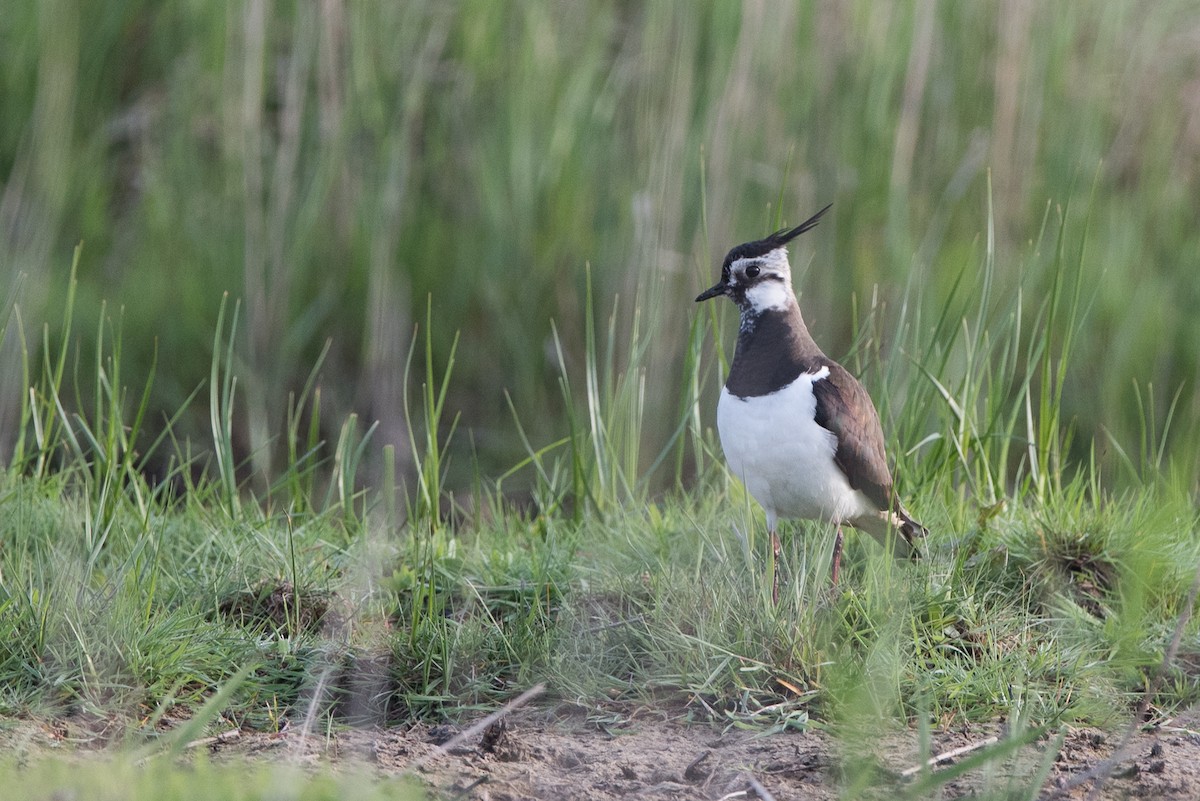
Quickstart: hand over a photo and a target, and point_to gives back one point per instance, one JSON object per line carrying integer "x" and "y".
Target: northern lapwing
{"x": 798, "y": 430}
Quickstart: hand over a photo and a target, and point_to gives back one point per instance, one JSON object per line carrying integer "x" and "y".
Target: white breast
{"x": 774, "y": 445}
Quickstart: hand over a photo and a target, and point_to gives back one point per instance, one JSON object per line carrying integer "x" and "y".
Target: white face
{"x": 765, "y": 281}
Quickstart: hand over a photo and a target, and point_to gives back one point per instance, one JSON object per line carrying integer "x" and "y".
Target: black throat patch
{"x": 773, "y": 349}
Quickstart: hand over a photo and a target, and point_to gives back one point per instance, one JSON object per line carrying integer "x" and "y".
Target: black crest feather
{"x": 762, "y": 247}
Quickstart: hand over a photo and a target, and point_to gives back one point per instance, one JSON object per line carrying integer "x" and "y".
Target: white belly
{"x": 774, "y": 445}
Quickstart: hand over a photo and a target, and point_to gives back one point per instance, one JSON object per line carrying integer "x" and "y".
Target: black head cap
{"x": 762, "y": 247}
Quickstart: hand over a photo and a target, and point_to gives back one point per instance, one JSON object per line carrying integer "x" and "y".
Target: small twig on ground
{"x": 1099, "y": 773}
{"x": 220, "y": 739}
{"x": 466, "y": 734}
{"x": 471, "y": 786}
{"x": 693, "y": 771}
{"x": 948, "y": 755}
{"x": 704, "y": 704}
{"x": 1184, "y": 730}
{"x": 759, "y": 790}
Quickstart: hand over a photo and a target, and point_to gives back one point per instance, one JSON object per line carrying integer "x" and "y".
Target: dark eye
{"x": 752, "y": 271}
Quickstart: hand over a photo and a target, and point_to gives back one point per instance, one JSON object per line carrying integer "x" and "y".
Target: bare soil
{"x": 566, "y": 755}
{"x": 557, "y": 754}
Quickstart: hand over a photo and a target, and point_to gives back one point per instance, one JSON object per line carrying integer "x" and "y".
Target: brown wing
{"x": 845, "y": 408}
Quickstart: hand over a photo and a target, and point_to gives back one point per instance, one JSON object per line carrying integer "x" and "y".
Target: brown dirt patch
{"x": 569, "y": 755}
{"x": 547, "y": 756}
{"x": 557, "y": 755}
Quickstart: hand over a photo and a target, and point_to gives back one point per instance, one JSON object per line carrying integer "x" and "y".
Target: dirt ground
{"x": 567, "y": 754}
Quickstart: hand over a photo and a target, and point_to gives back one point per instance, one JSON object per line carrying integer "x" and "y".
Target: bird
{"x": 797, "y": 429}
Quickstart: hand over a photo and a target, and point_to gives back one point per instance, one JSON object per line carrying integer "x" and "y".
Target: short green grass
{"x": 335, "y": 166}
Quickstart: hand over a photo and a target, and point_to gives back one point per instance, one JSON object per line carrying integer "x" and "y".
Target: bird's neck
{"x": 773, "y": 349}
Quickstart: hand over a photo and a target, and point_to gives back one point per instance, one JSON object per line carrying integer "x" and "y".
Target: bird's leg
{"x": 837, "y": 555}
{"x": 776, "y": 555}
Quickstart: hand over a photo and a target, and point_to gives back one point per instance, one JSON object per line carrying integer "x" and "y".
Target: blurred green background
{"x": 336, "y": 166}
